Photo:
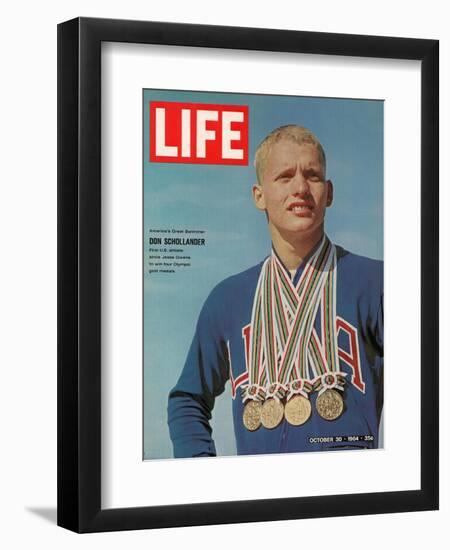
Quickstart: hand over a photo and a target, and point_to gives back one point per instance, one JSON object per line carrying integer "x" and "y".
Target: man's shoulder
{"x": 240, "y": 280}
{"x": 236, "y": 284}
{"x": 362, "y": 266}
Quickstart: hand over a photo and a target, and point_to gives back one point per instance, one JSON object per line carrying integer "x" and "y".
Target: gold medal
{"x": 330, "y": 405}
{"x": 297, "y": 410}
{"x": 271, "y": 413}
{"x": 252, "y": 415}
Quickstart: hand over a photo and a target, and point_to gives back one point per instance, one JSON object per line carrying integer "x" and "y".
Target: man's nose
{"x": 299, "y": 184}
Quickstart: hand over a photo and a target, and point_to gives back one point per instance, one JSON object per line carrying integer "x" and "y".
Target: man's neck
{"x": 292, "y": 250}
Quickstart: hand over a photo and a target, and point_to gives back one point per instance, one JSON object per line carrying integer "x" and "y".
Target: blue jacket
{"x": 218, "y": 354}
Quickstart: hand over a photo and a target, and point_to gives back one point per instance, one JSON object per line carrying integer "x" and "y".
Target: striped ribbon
{"x": 283, "y": 340}
{"x": 308, "y": 292}
{"x": 325, "y": 361}
{"x": 255, "y": 389}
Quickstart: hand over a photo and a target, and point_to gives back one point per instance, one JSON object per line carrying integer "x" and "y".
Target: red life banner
{"x": 198, "y": 133}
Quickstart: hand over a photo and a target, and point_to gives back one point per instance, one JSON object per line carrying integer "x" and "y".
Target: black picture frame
{"x": 79, "y": 274}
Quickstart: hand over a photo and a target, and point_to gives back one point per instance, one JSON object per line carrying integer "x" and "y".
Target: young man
{"x": 299, "y": 336}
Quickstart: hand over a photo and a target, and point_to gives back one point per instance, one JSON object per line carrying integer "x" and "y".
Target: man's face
{"x": 294, "y": 192}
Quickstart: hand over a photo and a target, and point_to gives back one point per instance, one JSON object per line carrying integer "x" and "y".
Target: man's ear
{"x": 258, "y": 197}
{"x": 329, "y": 192}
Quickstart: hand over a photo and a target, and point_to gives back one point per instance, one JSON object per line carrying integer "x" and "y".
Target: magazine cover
{"x": 263, "y": 274}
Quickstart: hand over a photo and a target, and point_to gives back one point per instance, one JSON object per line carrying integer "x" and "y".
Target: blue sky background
{"x": 218, "y": 199}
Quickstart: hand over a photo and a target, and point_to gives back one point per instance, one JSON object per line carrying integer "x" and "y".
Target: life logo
{"x": 198, "y": 133}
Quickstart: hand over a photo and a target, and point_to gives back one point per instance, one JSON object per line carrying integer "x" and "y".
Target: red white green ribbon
{"x": 255, "y": 389}
{"x": 283, "y": 340}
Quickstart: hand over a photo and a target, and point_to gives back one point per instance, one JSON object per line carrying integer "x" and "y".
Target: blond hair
{"x": 291, "y": 132}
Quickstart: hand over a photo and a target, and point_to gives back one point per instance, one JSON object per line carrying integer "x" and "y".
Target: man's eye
{"x": 314, "y": 178}
{"x": 284, "y": 177}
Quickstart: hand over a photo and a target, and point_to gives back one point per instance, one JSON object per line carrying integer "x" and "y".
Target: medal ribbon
{"x": 325, "y": 361}
{"x": 308, "y": 293}
{"x": 291, "y": 310}
{"x": 282, "y": 328}
{"x": 254, "y": 389}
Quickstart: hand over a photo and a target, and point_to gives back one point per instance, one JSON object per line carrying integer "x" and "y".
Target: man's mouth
{"x": 300, "y": 207}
